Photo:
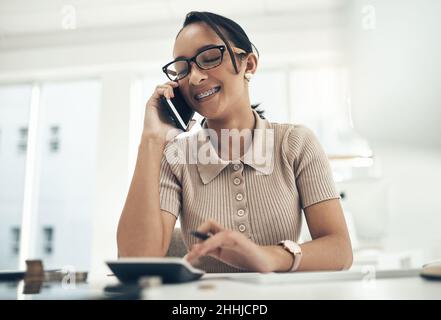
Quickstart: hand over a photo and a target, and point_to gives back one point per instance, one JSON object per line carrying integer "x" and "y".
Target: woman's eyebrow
{"x": 200, "y": 49}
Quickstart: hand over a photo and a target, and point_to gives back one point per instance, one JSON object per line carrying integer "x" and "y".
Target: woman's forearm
{"x": 332, "y": 252}
{"x": 140, "y": 229}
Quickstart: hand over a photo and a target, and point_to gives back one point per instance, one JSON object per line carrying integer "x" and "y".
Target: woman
{"x": 251, "y": 210}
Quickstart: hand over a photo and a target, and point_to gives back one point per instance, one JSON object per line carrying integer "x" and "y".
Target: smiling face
{"x": 214, "y": 93}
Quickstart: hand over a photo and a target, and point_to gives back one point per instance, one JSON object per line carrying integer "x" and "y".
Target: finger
{"x": 166, "y": 93}
{"x": 161, "y": 91}
{"x": 191, "y": 259}
{"x": 215, "y": 253}
{"x": 213, "y": 249}
{"x": 164, "y": 86}
{"x": 174, "y": 84}
{"x": 210, "y": 226}
{"x": 213, "y": 246}
{"x": 170, "y": 85}
{"x": 193, "y": 254}
{"x": 220, "y": 240}
{"x": 171, "y": 92}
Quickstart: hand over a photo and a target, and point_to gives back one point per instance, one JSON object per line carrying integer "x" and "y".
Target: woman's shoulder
{"x": 295, "y": 140}
{"x": 292, "y": 131}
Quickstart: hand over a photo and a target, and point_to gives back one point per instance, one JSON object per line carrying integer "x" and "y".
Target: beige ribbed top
{"x": 262, "y": 201}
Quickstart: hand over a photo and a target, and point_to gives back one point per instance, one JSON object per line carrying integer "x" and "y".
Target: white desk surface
{"x": 267, "y": 287}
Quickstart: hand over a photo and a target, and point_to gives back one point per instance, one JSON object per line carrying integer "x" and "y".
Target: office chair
{"x": 177, "y": 247}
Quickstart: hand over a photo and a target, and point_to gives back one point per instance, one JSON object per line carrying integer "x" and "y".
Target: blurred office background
{"x": 365, "y": 76}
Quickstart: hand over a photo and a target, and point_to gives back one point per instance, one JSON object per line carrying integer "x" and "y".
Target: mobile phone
{"x": 178, "y": 109}
{"x": 201, "y": 235}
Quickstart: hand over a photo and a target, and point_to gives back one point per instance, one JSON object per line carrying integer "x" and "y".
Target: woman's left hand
{"x": 231, "y": 247}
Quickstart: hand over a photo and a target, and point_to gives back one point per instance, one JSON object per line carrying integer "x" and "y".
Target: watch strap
{"x": 296, "y": 252}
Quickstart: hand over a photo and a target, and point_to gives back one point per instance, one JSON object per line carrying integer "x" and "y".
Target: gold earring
{"x": 248, "y": 76}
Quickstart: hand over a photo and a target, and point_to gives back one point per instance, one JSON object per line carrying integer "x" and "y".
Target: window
{"x": 59, "y": 191}
{"x": 48, "y": 237}
{"x": 66, "y": 182}
{"x": 22, "y": 140}
{"x": 15, "y": 240}
{"x": 15, "y": 103}
{"x": 54, "y": 142}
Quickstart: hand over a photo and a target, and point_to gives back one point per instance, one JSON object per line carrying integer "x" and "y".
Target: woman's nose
{"x": 196, "y": 75}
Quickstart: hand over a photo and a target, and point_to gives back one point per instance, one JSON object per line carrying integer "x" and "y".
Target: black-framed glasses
{"x": 206, "y": 59}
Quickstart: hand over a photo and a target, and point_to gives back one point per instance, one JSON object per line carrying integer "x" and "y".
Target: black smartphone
{"x": 201, "y": 235}
{"x": 178, "y": 109}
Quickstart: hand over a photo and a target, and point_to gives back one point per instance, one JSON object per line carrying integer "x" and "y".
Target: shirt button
{"x": 236, "y": 167}
{"x": 240, "y": 212}
{"x": 242, "y": 228}
{"x": 239, "y": 197}
{"x": 236, "y": 181}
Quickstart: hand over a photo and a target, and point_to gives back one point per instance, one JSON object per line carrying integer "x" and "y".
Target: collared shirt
{"x": 261, "y": 194}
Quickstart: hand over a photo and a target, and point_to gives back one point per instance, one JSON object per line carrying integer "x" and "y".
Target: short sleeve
{"x": 311, "y": 167}
{"x": 170, "y": 196}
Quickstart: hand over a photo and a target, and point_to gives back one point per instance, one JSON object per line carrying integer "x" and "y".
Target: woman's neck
{"x": 240, "y": 120}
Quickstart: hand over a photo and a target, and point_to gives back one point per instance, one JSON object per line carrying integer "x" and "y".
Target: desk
{"x": 238, "y": 287}
{"x": 226, "y": 287}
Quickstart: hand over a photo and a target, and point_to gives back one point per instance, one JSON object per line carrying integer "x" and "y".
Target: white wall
{"x": 397, "y": 71}
{"x": 396, "y": 76}
{"x": 415, "y": 204}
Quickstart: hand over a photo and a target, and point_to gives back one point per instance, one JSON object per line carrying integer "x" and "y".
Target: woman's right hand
{"x": 157, "y": 123}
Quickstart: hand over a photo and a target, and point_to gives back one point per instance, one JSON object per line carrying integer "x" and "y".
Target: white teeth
{"x": 207, "y": 93}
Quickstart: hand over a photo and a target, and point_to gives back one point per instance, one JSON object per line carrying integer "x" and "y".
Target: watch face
{"x": 292, "y": 246}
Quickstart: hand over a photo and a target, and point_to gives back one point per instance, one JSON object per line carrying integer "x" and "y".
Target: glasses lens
{"x": 177, "y": 70}
{"x": 209, "y": 58}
